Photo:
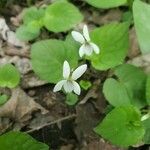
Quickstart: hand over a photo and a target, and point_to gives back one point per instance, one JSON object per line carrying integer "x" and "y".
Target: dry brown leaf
{"x": 134, "y": 46}
{"x": 20, "y": 106}
{"x": 23, "y": 64}
{"x": 111, "y": 15}
{"x": 100, "y": 145}
{"x": 142, "y": 61}
{"x": 9, "y": 35}
{"x": 31, "y": 80}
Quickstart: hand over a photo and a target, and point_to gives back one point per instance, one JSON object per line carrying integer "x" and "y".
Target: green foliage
{"x": 58, "y": 17}
{"x": 48, "y": 56}
{"x": 9, "y": 76}
{"x": 113, "y": 47}
{"x": 148, "y": 90}
{"x": 142, "y": 21}
{"x": 146, "y": 124}
{"x": 61, "y": 16}
{"x": 20, "y": 141}
{"x": 3, "y": 99}
{"x": 106, "y": 3}
{"x": 32, "y": 20}
{"x": 122, "y": 126}
{"x": 71, "y": 99}
{"x": 128, "y": 89}
{"x": 116, "y": 93}
{"x": 85, "y": 84}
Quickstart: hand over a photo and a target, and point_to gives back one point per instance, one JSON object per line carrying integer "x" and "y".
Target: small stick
{"x": 53, "y": 122}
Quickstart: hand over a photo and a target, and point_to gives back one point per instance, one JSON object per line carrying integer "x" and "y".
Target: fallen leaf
{"x": 31, "y": 80}
{"x": 134, "y": 50}
{"x": 20, "y": 106}
{"x": 142, "y": 61}
{"x": 9, "y": 35}
{"x": 100, "y": 145}
{"x": 22, "y": 64}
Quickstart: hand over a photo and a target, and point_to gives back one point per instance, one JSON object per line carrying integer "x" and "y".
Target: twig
{"x": 53, "y": 122}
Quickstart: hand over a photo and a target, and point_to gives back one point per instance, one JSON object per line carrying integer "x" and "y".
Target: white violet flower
{"x": 87, "y": 47}
{"x": 69, "y": 82}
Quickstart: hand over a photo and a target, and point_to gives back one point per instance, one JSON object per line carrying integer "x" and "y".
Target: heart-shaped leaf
{"x": 146, "y": 124}
{"x": 61, "y": 16}
{"x": 113, "y": 42}
{"x": 20, "y": 141}
{"x": 128, "y": 89}
{"x": 122, "y": 126}
{"x": 106, "y": 3}
{"x": 9, "y": 76}
{"x": 48, "y": 56}
{"x": 32, "y": 20}
{"x": 142, "y": 21}
{"x": 148, "y": 90}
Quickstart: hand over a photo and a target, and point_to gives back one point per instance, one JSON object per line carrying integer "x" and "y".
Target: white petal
{"x": 77, "y": 88}
{"x": 81, "y": 50}
{"x": 79, "y": 72}
{"x": 68, "y": 86}
{"x": 78, "y": 37}
{"x": 66, "y": 70}
{"x": 59, "y": 85}
{"x": 95, "y": 48}
{"x": 86, "y": 33}
{"x": 88, "y": 49}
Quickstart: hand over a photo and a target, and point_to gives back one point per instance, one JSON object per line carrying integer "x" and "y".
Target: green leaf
{"x": 48, "y": 56}
{"x": 115, "y": 92}
{"x": 134, "y": 80}
{"x": 106, "y": 3}
{"x": 146, "y": 124}
{"x": 122, "y": 127}
{"x": 85, "y": 84}
{"x": 113, "y": 42}
{"x": 148, "y": 90}
{"x": 128, "y": 89}
{"x": 33, "y": 21}
{"x": 142, "y": 21}
{"x": 61, "y": 16}
{"x": 25, "y": 33}
{"x": 9, "y": 76}
{"x": 3, "y": 99}
{"x": 20, "y": 141}
{"x": 32, "y": 14}
{"x": 71, "y": 99}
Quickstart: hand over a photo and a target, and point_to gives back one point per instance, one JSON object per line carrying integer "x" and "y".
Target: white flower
{"x": 68, "y": 83}
{"x": 87, "y": 47}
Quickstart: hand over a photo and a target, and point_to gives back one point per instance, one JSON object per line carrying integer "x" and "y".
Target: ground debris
{"x": 9, "y": 35}
{"x": 142, "y": 61}
{"x": 20, "y": 106}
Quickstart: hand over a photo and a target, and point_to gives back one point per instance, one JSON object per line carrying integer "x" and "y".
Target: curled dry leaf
{"x": 22, "y": 64}
{"x": 31, "y": 80}
{"x": 100, "y": 144}
{"x": 134, "y": 50}
{"x": 20, "y": 106}
{"x": 142, "y": 61}
{"x": 9, "y": 35}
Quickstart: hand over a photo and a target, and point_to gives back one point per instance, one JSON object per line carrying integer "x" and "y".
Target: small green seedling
{"x": 3, "y": 99}
{"x": 57, "y": 17}
{"x": 85, "y": 84}
{"x": 9, "y": 78}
